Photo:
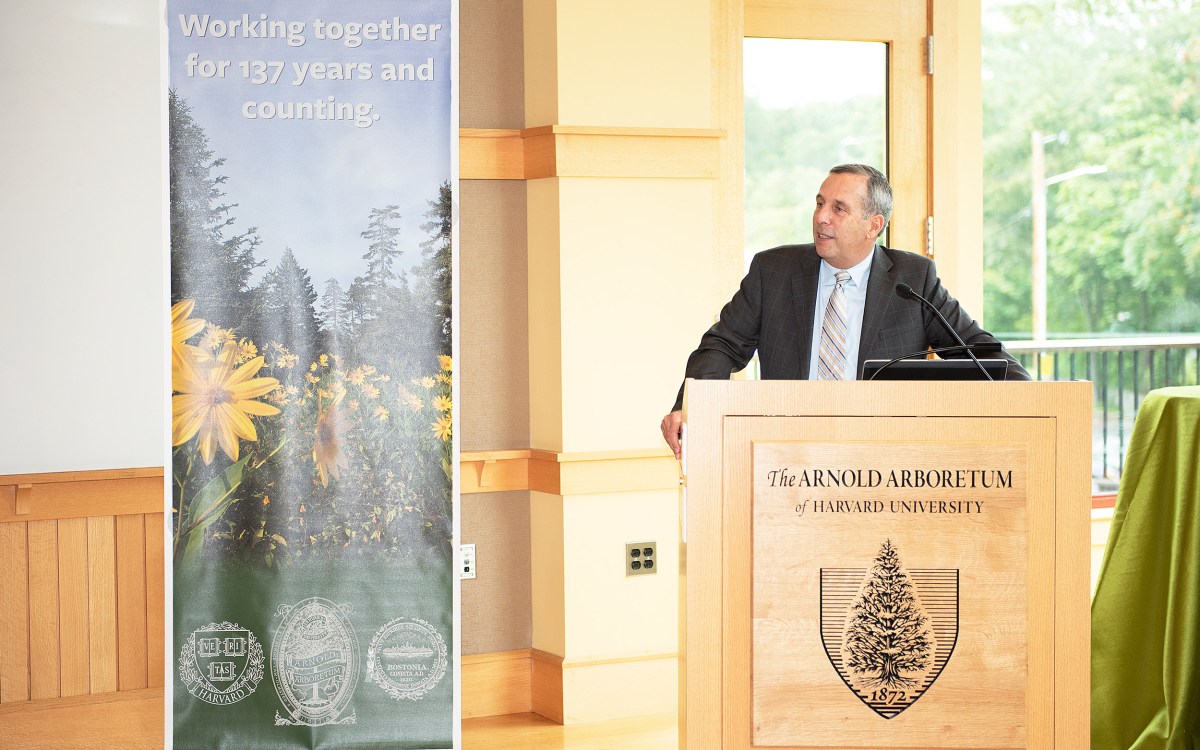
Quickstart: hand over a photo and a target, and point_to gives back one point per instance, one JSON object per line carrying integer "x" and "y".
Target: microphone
{"x": 907, "y": 292}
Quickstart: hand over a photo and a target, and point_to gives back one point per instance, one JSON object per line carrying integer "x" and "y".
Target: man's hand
{"x": 671, "y": 425}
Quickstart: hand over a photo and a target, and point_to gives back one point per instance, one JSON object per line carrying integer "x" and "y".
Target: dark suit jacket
{"x": 773, "y": 310}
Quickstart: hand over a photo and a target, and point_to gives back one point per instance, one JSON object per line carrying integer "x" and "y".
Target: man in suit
{"x": 781, "y": 305}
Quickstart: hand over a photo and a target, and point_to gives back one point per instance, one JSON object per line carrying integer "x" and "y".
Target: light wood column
{"x": 623, "y": 157}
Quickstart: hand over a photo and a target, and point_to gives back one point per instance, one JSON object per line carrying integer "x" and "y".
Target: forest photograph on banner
{"x": 311, "y": 540}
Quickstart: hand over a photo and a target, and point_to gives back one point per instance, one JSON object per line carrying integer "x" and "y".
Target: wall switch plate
{"x": 467, "y": 558}
{"x": 641, "y": 558}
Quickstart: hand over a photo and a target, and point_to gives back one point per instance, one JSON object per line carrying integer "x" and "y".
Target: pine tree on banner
{"x": 335, "y": 316}
{"x": 285, "y": 308}
{"x": 888, "y": 639}
{"x": 391, "y": 327}
{"x": 206, "y": 266}
{"x": 381, "y": 255}
{"x": 434, "y": 272}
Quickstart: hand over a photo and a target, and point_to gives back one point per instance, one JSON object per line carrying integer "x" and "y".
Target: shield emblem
{"x": 221, "y": 663}
{"x": 222, "y": 656}
{"x": 888, "y": 631}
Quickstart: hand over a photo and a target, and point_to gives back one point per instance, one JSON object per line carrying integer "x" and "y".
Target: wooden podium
{"x": 885, "y": 565}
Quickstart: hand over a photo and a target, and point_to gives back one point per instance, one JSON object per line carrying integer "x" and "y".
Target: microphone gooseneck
{"x": 907, "y": 292}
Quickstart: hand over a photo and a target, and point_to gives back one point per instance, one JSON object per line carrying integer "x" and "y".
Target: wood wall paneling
{"x": 14, "y": 614}
{"x": 82, "y": 621}
{"x": 490, "y": 154}
{"x": 131, "y": 602}
{"x": 130, "y": 720}
{"x": 155, "y": 601}
{"x": 102, "y": 603}
{"x": 589, "y": 151}
{"x": 43, "y": 610}
{"x": 493, "y": 471}
{"x": 74, "y": 649}
{"x": 80, "y": 498}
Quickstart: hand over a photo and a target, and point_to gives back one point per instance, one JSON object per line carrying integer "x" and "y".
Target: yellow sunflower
{"x": 246, "y": 350}
{"x": 441, "y": 403}
{"x": 216, "y": 401}
{"x": 184, "y": 355}
{"x": 442, "y": 428}
{"x": 327, "y": 453}
{"x": 446, "y": 363}
{"x": 215, "y": 337}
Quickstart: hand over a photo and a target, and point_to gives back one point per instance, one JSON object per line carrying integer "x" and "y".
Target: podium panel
{"x": 893, "y": 579}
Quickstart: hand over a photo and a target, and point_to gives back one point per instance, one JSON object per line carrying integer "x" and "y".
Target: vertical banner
{"x": 312, "y": 171}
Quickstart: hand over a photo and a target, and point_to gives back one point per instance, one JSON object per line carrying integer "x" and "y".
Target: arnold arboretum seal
{"x": 315, "y": 663}
{"x": 889, "y": 631}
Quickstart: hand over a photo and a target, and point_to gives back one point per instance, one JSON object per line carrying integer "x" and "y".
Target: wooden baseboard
{"x": 546, "y": 695}
{"x": 496, "y": 684}
{"x": 579, "y": 692}
{"x": 130, "y": 720}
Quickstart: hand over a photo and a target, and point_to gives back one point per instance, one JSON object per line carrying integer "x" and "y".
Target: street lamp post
{"x": 1038, "y": 143}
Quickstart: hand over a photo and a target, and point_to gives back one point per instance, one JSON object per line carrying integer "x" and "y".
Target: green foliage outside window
{"x": 1118, "y": 83}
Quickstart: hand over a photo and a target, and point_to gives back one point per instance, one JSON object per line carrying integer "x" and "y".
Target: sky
{"x": 783, "y": 73}
{"x": 310, "y": 185}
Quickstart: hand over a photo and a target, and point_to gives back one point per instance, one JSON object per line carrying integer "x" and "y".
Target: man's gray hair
{"x": 879, "y": 192}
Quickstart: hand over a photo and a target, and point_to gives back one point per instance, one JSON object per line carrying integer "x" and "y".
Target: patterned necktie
{"x": 832, "y": 362}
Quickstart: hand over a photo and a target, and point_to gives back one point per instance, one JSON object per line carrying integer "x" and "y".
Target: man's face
{"x": 842, "y": 234}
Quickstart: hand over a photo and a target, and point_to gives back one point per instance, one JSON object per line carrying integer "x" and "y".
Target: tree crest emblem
{"x": 889, "y": 631}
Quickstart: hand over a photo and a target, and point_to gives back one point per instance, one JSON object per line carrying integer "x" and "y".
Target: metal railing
{"x": 1122, "y": 370}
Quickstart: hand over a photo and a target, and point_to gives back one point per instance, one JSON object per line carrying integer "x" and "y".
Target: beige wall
{"x": 490, "y": 64}
{"x": 493, "y": 330}
{"x": 582, "y": 290}
{"x": 496, "y": 604}
{"x": 623, "y": 259}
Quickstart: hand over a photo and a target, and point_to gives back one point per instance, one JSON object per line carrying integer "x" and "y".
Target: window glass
{"x": 1091, "y": 108}
{"x": 809, "y": 106}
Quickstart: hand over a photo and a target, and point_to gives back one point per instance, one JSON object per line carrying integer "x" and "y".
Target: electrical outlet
{"x": 467, "y": 557}
{"x": 641, "y": 558}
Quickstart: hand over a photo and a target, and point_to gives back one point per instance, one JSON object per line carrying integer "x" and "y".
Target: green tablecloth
{"x": 1146, "y": 611}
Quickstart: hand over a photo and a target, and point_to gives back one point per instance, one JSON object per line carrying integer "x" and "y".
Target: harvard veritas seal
{"x": 314, "y": 663}
{"x": 407, "y": 658}
{"x": 221, "y": 663}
